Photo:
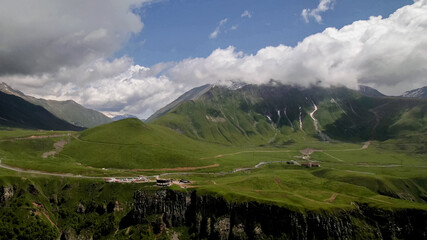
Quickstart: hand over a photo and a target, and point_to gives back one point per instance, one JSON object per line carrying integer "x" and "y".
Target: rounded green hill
{"x": 131, "y": 144}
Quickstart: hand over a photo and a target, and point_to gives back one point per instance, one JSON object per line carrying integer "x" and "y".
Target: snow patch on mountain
{"x": 416, "y": 93}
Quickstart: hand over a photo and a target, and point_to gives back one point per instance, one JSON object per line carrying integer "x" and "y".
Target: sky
{"x": 136, "y": 56}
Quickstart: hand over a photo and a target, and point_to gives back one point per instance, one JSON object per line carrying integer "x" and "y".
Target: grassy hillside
{"x": 190, "y": 95}
{"x": 130, "y": 143}
{"x": 270, "y": 115}
{"x": 16, "y": 112}
{"x": 354, "y": 172}
{"x": 74, "y": 113}
{"x": 231, "y": 143}
{"x": 48, "y": 207}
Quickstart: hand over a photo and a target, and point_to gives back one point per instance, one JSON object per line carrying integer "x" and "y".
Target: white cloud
{"x": 324, "y": 5}
{"x": 214, "y": 34}
{"x": 44, "y": 36}
{"x": 217, "y": 30}
{"x": 247, "y": 14}
{"x": 223, "y": 21}
{"x": 234, "y": 27}
{"x": 387, "y": 53}
{"x": 115, "y": 87}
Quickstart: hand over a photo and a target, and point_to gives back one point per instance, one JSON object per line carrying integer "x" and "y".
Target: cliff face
{"x": 210, "y": 217}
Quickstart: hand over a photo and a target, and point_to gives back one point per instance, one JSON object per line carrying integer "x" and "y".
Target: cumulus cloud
{"x": 44, "y": 36}
{"x": 386, "y": 53}
{"x": 114, "y": 87}
{"x": 247, "y": 14}
{"x": 217, "y": 30}
{"x": 324, "y": 5}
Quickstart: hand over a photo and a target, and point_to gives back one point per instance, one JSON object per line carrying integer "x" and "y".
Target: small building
{"x": 163, "y": 182}
{"x": 310, "y": 164}
{"x": 307, "y": 164}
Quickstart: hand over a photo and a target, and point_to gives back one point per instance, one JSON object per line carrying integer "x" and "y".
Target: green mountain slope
{"x": 190, "y": 95}
{"x": 277, "y": 114}
{"x": 69, "y": 111}
{"x": 16, "y": 112}
{"x": 130, "y": 143}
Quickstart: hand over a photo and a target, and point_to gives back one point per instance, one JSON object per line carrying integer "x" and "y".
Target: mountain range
{"x": 17, "y": 113}
{"x": 255, "y": 114}
{"x": 241, "y": 146}
{"x": 69, "y": 111}
{"x": 277, "y": 114}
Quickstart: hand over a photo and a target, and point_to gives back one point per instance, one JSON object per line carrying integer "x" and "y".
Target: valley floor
{"x": 349, "y": 175}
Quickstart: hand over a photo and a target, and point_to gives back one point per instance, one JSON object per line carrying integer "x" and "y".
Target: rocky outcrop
{"x": 70, "y": 234}
{"x": 6, "y": 193}
{"x": 80, "y": 208}
{"x": 211, "y": 217}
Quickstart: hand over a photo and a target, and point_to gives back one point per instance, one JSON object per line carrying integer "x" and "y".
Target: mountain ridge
{"x": 189, "y": 95}
{"x": 370, "y": 92}
{"x": 267, "y": 114}
{"x": 416, "y": 93}
{"x": 15, "y": 112}
{"x": 68, "y": 110}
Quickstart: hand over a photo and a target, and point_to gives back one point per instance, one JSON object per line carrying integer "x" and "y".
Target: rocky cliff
{"x": 211, "y": 217}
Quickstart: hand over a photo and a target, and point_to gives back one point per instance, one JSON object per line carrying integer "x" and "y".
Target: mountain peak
{"x": 8, "y": 90}
{"x": 416, "y": 93}
{"x": 190, "y": 95}
{"x": 369, "y": 91}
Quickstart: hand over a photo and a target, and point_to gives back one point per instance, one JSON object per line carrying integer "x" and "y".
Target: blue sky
{"x": 178, "y": 29}
{"x": 136, "y": 56}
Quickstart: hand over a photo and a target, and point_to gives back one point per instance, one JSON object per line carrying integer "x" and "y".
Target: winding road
{"x": 20, "y": 170}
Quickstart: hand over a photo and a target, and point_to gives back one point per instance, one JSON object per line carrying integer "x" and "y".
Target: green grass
{"x": 295, "y": 188}
{"x": 132, "y": 144}
{"x": 390, "y": 174}
{"x": 10, "y": 133}
{"x": 373, "y": 175}
{"x": 59, "y": 199}
{"x": 348, "y": 174}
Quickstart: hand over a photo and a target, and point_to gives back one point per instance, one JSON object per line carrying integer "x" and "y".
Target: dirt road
{"x": 232, "y": 154}
{"x": 36, "y": 137}
{"x": 15, "y": 169}
{"x": 176, "y": 169}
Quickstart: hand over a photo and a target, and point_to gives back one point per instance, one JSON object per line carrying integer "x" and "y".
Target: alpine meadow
{"x": 278, "y": 120}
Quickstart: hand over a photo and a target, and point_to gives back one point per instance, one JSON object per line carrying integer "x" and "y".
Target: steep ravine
{"x": 211, "y": 217}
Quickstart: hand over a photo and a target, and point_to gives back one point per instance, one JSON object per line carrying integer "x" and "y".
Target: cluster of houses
{"x": 139, "y": 179}
{"x": 306, "y": 156}
{"x": 143, "y": 179}
{"x": 310, "y": 164}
